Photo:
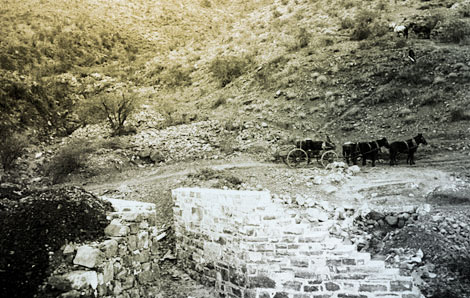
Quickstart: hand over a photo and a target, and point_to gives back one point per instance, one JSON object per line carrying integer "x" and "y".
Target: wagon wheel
{"x": 328, "y": 157}
{"x": 297, "y": 157}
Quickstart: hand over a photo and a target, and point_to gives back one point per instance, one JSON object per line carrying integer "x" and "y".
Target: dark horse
{"x": 315, "y": 147}
{"x": 409, "y": 146}
{"x": 367, "y": 150}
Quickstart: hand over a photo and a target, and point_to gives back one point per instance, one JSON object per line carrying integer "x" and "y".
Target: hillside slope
{"x": 267, "y": 72}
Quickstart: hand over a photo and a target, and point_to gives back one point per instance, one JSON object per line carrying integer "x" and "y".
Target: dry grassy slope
{"x": 328, "y": 84}
{"x": 366, "y": 89}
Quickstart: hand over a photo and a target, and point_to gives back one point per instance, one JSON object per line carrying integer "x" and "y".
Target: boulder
{"x": 87, "y": 256}
{"x": 116, "y": 229}
{"x": 315, "y": 215}
{"x": 81, "y": 279}
{"x": 374, "y": 215}
{"x": 391, "y": 220}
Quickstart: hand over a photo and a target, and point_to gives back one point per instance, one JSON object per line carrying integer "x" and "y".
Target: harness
{"x": 413, "y": 145}
{"x": 357, "y": 151}
{"x": 372, "y": 149}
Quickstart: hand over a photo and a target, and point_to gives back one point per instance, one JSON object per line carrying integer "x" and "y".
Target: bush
{"x": 11, "y": 147}
{"x": 69, "y": 159}
{"x": 459, "y": 114}
{"x": 454, "y": 31}
{"x": 37, "y": 223}
{"x": 175, "y": 75}
{"x": 347, "y": 23}
{"x": 114, "y": 107}
{"x": 219, "y": 102}
{"x": 365, "y": 26}
{"x": 223, "y": 178}
{"x": 432, "y": 98}
{"x": 226, "y": 69}
{"x": 302, "y": 39}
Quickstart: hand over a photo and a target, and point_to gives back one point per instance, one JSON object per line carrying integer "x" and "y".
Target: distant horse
{"x": 366, "y": 150}
{"x": 400, "y": 29}
{"x": 350, "y": 151}
{"x": 409, "y": 146}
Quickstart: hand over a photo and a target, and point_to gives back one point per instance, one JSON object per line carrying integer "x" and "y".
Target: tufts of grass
{"x": 228, "y": 68}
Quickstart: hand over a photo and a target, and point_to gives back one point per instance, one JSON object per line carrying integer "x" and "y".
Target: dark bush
{"x": 11, "y": 147}
{"x": 175, "y": 75}
{"x": 37, "y": 223}
{"x": 71, "y": 158}
{"x": 367, "y": 24}
{"x": 220, "y": 101}
{"x": 221, "y": 178}
{"x": 226, "y": 69}
{"x": 458, "y": 114}
{"x": 454, "y": 31}
{"x": 347, "y": 23}
{"x": 113, "y": 107}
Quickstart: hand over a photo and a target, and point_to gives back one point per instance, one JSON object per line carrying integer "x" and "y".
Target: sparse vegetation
{"x": 220, "y": 178}
{"x": 459, "y": 114}
{"x": 220, "y": 101}
{"x": 226, "y": 69}
{"x": 69, "y": 159}
{"x": 12, "y": 146}
{"x": 454, "y": 30}
{"x": 114, "y": 107}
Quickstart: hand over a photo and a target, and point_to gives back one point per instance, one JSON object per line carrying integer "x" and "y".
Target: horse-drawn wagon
{"x": 305, "y": 150}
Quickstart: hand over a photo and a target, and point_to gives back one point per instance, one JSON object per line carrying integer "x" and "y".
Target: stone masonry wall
{"x": 247, "y": 245}
{"x": 123, "y": 265}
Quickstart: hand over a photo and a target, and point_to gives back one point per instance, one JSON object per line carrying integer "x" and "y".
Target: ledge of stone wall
{"x": 123, "y": 265}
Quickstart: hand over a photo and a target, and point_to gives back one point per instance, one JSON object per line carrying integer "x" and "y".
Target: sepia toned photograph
{"x": 235, "y": 148}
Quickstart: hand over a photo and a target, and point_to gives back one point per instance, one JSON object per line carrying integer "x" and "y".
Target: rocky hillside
{"x": 265, "y": 71}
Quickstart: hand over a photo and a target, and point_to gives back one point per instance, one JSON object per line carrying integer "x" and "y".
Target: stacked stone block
{"x": 248, "y": 246}
{"x": 124, "y": 265}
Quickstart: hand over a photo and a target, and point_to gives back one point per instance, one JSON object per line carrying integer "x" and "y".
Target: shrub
{"x": 432, "y": 98}
{"x": 223, "y": 178}
{"x": 11, "y": 147}
{"x": 226, "y": 69}
{"x": 458, "y": 114}
{"x": 302, "y": 38}
{"x": 464, "y": 9}
{"x": 347, "y": 23}
{"x": 69, "y": 159}
{"x": 37, "y": 223}
{"x": 114, "y": 107}
{"x": 454, "y": 30}
{"x": 361, "y": 33}
{"x": 206, "y": 4}
{"x": 219, "y": 102}
{"x": 175, "y": 75}
{"x": 365, "y": 26}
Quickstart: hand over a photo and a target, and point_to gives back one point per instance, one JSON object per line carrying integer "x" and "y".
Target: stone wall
{"x": 123, "y": 265}
{"x": 248, "y": 245}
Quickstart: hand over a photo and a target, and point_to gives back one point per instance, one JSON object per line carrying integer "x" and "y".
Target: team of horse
{"x": 370, "y": 150}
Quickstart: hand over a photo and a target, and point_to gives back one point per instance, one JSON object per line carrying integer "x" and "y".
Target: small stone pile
{"x": 372, "y": 227}
{"x": 188, "y": 141}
